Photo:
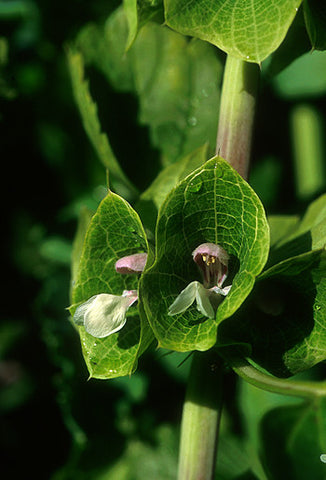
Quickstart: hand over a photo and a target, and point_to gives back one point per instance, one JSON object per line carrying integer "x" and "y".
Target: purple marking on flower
{"x": 131, "y": 264}
{"x": 213, "y": 263}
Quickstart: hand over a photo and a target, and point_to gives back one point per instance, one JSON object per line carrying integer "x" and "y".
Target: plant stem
{"x": 201, "y": 418}
{"x": 237, "y": 111}
{"x": 203, "y": 404}
{"x": 252, "y": 375}
{"x": 308, "y": 148}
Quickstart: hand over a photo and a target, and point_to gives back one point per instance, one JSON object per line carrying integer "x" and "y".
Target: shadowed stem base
{"x": 201, "y": 418}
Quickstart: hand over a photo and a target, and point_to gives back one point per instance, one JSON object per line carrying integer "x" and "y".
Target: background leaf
{"x": 305, "y": 77}
{"x": 281, "y": 227}
{"x": 138, "y": 13}
{"x": 88, "y": 111}
{"x": 294, "y": 439}
{"x": 213, "y": 204}
{"x": 292, "y": 237}
{"x": 295, "y": 44}
{"x": 176, "y": 81}
{"x": 77, "y": 248}
{"x": 315, "y": 17}
{"x": 250, "y": 30}
{"x": 114, "y": 231}
{"x": 254, "y": 404}
{"x": 152, "y": 199}
{"x": 285, "y": 319}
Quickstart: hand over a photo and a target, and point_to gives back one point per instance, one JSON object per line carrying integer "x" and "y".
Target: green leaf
{"x": 105, "y": 49}
{"x": 295, "y": 44}
{"x": 235, "y": 461}
{"x": 77, "y": 248}
{"x": 176, "y": 81}
{"x": 152, "y": 199}
{"x": 294, "y": 438}
{"x": 304, "y": 329}
{"x": 88, "y": 111}
{"x": 303, "y": 78}
{"x": 314, "y": 221}
{"x": 291, "y": 237}
{"x": 254, "y": 403}
{"x": 142, "y": 460}
{"x": 213, "y": 204}
{"x": 114, "y": 232}
{"x": 315, "y": 18}
{"x": 285, "y": 321}
{"x": 247, "y": 29}
{"x": 281, "y": 226}
{"x": 138, "y": 13}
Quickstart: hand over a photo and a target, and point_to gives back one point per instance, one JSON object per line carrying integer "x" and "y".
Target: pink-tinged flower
{"x": 131, "y": 264}
{"x": 104, "y": 314}
{"x": 212, "y": 261}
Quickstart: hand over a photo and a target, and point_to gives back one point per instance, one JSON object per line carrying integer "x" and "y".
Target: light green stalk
{"x": 252, "y": 375}
{"x": 201, "y": 418}
{"x": 203, "y": 404}
{"x": 237, "y": 112}
{"x": 308, "y": 149}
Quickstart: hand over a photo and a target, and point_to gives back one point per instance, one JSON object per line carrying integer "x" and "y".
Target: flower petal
{"x": 104, "y": 314}
{"x": 79, "y": 315}
{"x": 185, "y": 299}
{"x": 131, "y": 264}
{"x": 222, "y": 291}
{"x": 211, "y": 250}
{"x": 207, "y": 299}
{"x": 203, "y": 301}
{"x": 212, "y": 260}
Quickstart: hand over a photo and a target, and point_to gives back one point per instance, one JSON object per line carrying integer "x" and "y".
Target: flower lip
{"x": 131, "y": 264}
{"x": 105, "y": 314}
{"x": 212, "y": 260}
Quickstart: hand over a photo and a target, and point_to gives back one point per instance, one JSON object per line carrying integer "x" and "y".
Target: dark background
{"x": 49, "y": 170}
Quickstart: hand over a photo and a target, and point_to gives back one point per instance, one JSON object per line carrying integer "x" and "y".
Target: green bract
{"x": 114, "y": 232}
{"x": 247, "y": 29}
{"x": 285, "y": 323}
{"x": 213, "y": 204}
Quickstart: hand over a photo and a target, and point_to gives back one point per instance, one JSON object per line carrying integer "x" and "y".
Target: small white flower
{"x": 212, "y": 260}
{"x": 105, "y": 314}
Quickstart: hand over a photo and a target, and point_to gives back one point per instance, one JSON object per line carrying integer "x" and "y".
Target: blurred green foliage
{"x": 55, "y": 424}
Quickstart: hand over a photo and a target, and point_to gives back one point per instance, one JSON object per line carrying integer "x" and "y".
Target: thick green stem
{"x": 237, "y": 113}
{"x": 252, "y": 375}
{"x": 203, "y": 404}
{"x": 201, "y": 418}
